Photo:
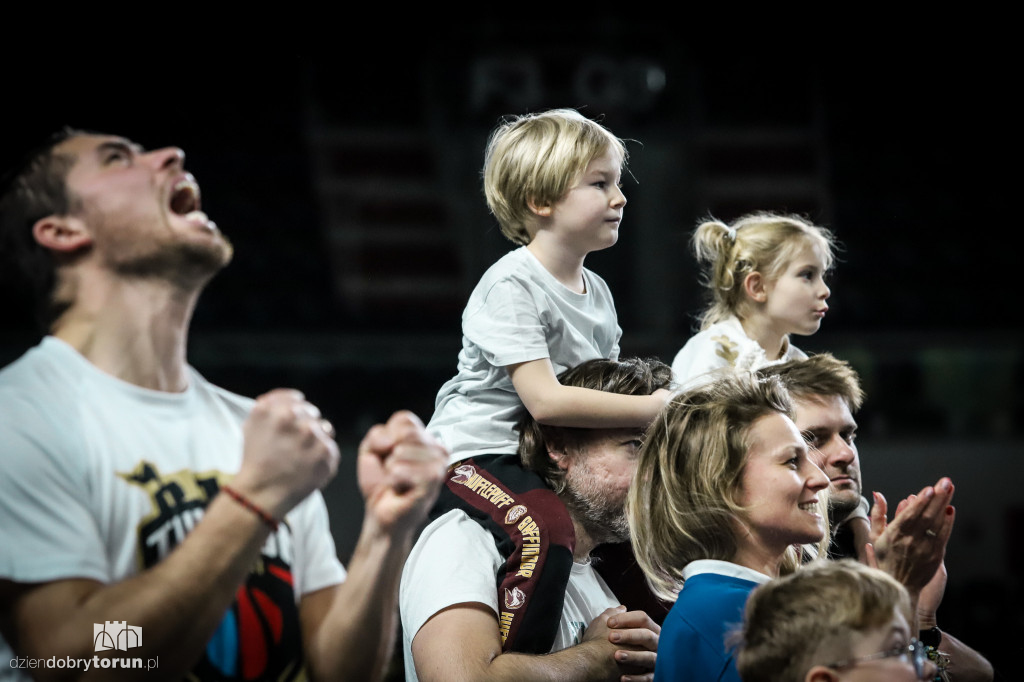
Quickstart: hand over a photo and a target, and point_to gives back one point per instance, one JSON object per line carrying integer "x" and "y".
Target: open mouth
{"x": 809, "y": 506}
{"x": 185, "y": 196}
{"x": 185, "y": 200}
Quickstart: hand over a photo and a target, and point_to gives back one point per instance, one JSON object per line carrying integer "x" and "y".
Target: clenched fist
{"x": 289, "y": 452}
{"x": 400, "y": 469}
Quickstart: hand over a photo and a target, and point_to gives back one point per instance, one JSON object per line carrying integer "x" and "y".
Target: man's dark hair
{"x": 30, "y": 190}
{"x": 632, "y": 376}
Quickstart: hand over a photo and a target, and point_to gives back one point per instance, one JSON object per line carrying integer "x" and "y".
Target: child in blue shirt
{"x": 552, "y": 181}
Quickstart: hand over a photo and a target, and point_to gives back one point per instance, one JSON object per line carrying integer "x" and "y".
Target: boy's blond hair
{"x": 808, "y": 618}
{"x": 535, "y": 159}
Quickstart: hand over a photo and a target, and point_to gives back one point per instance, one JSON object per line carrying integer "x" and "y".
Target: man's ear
{"x": 820, "y": 673}
{"x": 543, "y": 210}
{"x": 64, "y": 234}
{"x": 558, "y": 457}
{"x": 754, "y": 285}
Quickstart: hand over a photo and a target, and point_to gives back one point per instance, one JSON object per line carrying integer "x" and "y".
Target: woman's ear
{"x": 755, "y": 287}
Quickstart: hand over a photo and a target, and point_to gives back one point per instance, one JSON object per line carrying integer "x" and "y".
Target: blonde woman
{"x": 724, "y": 491}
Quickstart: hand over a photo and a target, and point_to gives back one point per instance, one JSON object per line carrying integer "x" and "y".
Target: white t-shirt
{"x": 518, "y": 312}
{"x": 722, "y": 346}
{"x": 102, "y": 479}
{"x": 455, "y": 561}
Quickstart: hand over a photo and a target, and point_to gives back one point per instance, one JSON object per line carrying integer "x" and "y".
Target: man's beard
{"x": 842, "y": 505}
{"x": 184, "y": 264}
{"x": 602, "y": 516}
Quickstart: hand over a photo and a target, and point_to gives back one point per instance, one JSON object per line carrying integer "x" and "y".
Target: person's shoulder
{"x": 514, "y": 263}
{"x": 515, "y": 277}
{"x": 40, "y": 410}
{"x": 46, "y": 374}
{"x": 717, "y": 346}
{"x": 722, "y": 344}
{"x": 513, "y": 267}
{"x": 793, "y": 353}
{"x": 707, "y": 592}
{"x": 211, "y": 391}
{"x": 727, "y": 333}
{"x": 454, "y": 526}
{"x": 596, "y": 281}
{"x": 686, "y": 644}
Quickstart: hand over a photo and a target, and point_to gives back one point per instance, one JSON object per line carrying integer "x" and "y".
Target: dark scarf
{"x": 533, "y": 531}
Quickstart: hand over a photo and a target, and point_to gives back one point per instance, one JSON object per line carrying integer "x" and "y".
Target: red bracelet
{"x": 245, "y": 502}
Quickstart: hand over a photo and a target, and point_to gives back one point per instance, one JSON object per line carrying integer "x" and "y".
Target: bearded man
{"x": 513, "y": 580}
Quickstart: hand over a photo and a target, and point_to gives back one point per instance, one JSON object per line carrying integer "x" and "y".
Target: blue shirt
{"x": 692, "y": 646}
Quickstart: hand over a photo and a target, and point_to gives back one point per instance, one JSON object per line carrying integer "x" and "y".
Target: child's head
{"x": 685, "y": 499}
{"x": 830, "y": 620}
{"x": 535, "y": 159}
{"x": 762, "y": 245}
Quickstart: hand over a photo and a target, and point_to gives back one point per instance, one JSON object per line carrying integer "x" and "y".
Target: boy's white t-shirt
{"x": 455, "y": 561}
{"x": 518, "y": 312}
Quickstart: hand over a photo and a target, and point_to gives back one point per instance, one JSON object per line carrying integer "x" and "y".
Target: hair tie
{"x": 730, "y": 232}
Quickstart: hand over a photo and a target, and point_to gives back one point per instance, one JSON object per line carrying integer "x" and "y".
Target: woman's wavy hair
{"x": 683, "y": 504}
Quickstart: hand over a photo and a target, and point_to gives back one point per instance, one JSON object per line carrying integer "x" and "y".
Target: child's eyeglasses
{"x": 915, "y": 653}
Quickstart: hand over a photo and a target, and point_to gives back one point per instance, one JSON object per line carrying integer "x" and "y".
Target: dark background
{"x": 348, "y": 179}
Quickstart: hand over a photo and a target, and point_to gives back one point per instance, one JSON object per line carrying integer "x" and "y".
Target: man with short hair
{"x": 139, "y": 499}
{"x": 502, "y": 584}
{"x": 826, "y": 393}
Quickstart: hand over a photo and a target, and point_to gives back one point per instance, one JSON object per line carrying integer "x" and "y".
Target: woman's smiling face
{"x": 779, "y": 490}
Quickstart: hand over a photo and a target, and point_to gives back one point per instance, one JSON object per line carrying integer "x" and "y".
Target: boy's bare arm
{"x": 556, "y": 405}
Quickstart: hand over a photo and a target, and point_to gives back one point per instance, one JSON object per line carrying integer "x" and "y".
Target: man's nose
{"x": 840, "y": 451}
{"x": 167, "y": 157}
